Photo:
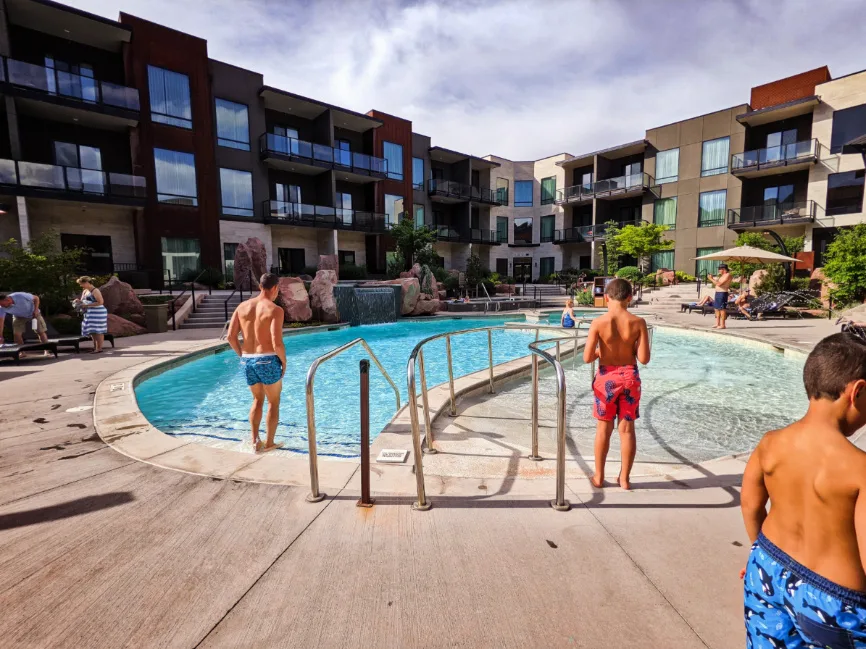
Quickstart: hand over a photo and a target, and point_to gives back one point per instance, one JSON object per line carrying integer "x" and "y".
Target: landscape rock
{"x": 330, "y": 262}
{"x": 406, "y": 274}
{"x": 120, "y": 327}
{"x": 818, "y": 281}
{"x": 756, "y": 279}
{"x": 505, "y": 289}
{"x": 251, "y": 257}
{"x": 669, "y": 277}
{"x": 322, "y": 298}
{"x": 295, "y": 300}
{"x": 138, "y": 319}
{"x": 410, "y": 290}
{"x": 119, "y": 297}
{"x": 426, "y": 306}
{"x": 416, "y": 271}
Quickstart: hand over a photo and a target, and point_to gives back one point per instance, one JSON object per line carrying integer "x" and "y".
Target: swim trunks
{"x": 720, "y": 300}
{"x": 788, "y": 605}
{"x": 261, "y": 368}
{"x": 617, "y": 393}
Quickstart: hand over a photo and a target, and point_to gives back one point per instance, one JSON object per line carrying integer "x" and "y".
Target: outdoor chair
{"x": 15, "y": 351}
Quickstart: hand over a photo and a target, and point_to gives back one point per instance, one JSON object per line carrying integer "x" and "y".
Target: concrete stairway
{"x": 543, "y": 290}
{"x": 670, "y": 297}
{"x": 210, "y": 314}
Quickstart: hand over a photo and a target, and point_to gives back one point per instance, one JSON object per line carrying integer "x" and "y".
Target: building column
{"x": 23, "y": 220}
{"x": 808, "y": 238}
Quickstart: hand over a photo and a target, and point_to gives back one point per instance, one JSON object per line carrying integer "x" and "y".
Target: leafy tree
{"x": 411, "y": 240}
{"x": 475, "y": 271}
{"x": 631, "y": 273}
{"x": 43, "y": 269}
{"x": 613, "y": 248}
{"x": 642, "y": 241}
{"x": 845, "y": 264}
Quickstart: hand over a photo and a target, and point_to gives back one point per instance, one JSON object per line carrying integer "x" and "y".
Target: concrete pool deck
{"x": 100, "y": 550}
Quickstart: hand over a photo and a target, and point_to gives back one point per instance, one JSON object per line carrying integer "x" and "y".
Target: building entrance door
{"x": 523, "y": 270}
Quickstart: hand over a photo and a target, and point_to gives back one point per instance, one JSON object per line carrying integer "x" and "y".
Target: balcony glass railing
{"x": 772, "y": 214}
{"x": 483, "y": 236}
{"x": 462, "y": 191}
{"x": 319, "y": 216}
{"x": 448, "y": 233}
{"x": 588, "y": 191}
{"x": 322, "y": 154}
{"x": 73, "y": 86}
{"x": 502, "y": 195}
{"x": 784, "y": 154}
{"x": 72, "y": 179}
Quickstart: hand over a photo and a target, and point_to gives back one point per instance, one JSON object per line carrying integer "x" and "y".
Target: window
{"x": 175, "y": 177}
{"x": 343, "y": 153}
{"x": 502, "y": 191}
{"x": 346, "y": 257}
{"x": 711, "y": 210}
{"x": 781, "y": 145}
{"x": 848, "y": 123}
{"x": 181, "y": 257}
{"x": 845, "y": 192}
{"x": 714, "y": 157}
{"x": 292, "y": 260}
{"x": 522, "y": 193}
{"x": 502, "y": 229}
{"x": 418, "y": 173}
{"x": 169, "y": 97}
{"x": 522, "y": 230}
{"x": 237, "y": 192}
{"x": 233, "y": 125}
{"x": 703, "y": 266}
{"x": 343, "y": 205}
{"x": 83, "y": 167}
{"x": 71, "y": 79}
{"x": 229, "y": 250}
{"x": 285, "y": 141}
{"x": 287, "y": 193}
{"x": 586, "y": 182}
{"x": 394, "y": 158}
{"x": 546, "y": 266}
{"x": 474, "y": 218}
{"x": 548, "y": 190}
{"x": 393, "y": 209}
{"x": 662, "y": 260}
{"x": 667, "y": 166}
{"x": 419, "y": 215}
{"x": 502, "y": 268}
{"x": 665, "y": 212}
{"x": 632, "y": 169}
{"x": 548, "y": 223}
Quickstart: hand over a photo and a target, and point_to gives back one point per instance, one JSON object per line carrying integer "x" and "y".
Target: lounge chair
{"x": 856, "y": 328}
{"x": 772, "y": 305}
{"x": 15, "y": 351}
{"x": 74, "y": 342}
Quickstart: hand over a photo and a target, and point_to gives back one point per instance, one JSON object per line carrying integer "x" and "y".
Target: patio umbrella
{"x": 747, "y": 255}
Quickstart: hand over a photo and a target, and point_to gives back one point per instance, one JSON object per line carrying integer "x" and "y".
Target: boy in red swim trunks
{"x": 618, "y": 340}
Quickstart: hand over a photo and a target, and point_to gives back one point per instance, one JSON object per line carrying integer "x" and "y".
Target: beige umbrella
{"x": 747, "y": 255}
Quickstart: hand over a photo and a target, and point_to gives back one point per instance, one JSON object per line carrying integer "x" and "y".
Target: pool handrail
{"x": 315, "y": 495}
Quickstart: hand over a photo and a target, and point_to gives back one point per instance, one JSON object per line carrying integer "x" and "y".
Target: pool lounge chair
{"x": 774, "y": 305}
{"x": 15, "y": 351}
{"x": 74, "y": 342}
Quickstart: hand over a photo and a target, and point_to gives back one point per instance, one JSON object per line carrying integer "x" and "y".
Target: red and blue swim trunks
{"x": 617, "y": 393}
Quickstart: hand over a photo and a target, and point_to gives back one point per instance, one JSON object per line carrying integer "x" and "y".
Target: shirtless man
{"x": 805, "y": 584}
{"x": 720, "y": 302}
{"x": 263, "y": 356}
{"x": 618, "y": 340}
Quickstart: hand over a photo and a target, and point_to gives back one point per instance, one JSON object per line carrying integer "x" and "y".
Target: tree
{"x": 411, "y": 240}
{"x": 845, "y": 264}
{"x": 41, "y": 268}
{"x": 475, "y": 271}
{"x": 793, "y": 245}
{"x": 642, "y": 242}
{"x": 611, "y": 243}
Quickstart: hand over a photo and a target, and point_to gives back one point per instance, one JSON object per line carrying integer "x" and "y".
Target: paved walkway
{"x": 97, "y": 550}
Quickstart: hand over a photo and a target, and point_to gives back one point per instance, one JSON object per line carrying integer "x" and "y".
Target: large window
{"x": 548, "y": 223}
{"x": 522, "y": 230}
{"x": 522, "y": 193}
{"x": 343, "y": 207}
{"x": 848, "y": 123}
{"x": 175, "y": 177}
{"x": 711, "y": 209}
{"x": 665, "y": 212}
{"x": 667, "y": 166}
{"x": 169, "y": 97}
{"x": 546, "y": 266}
{"x": 418, "y": 173}
{"x": 548, "y": 190}
{"x": 181, "y": 257}
{"x": 233, "y": 125}
{"x": 83, "y": 166}
{"x": 237, "y": 192}
{"x": 291, "y": 260}
{"x": 661, "y": 260}
{"x": 502, "y": 191}
{"x": 394, "y": 157}
{"x": 419, "y": 214}
{"x": 845, "y": 192}
{"x": 393, "y": 209}
{"x": 703, "y": 266}
{"x": 229, "y": 250}
{"x": 714, "y": 156}
{"x": 346, "y": 257}
{"x": 502, "y": 229}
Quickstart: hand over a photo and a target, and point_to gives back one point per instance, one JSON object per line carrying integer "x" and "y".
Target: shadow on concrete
{"x": 5, "y": 376}
{"x": 69, "y": 509}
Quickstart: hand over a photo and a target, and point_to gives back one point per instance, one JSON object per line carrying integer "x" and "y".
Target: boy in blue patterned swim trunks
{"x": 805, "y": 584}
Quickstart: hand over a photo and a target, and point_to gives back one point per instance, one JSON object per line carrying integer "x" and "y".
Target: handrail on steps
{"x": 240, "y": 290}
{"x": 191, "y": 287}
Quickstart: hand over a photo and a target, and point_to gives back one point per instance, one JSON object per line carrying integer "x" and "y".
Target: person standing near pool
{"x": 263, "y": 356}
{"x": 95, "y": 322}
{"x": 720, "y": 302}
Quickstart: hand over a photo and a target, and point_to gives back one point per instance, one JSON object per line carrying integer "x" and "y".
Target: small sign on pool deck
{"x": 391, "y": 456}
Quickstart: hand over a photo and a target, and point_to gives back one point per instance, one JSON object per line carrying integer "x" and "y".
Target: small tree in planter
{"x": 411, "y": 240}
{"x": 642, "y": 242}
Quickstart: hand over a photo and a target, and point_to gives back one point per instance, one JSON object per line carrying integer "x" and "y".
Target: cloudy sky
{"x": 522, "y": 79}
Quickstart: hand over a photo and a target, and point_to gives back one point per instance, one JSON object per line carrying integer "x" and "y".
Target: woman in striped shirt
{"x": 95, "y": 322}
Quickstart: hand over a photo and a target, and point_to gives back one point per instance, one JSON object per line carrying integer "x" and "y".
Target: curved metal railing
{"x": 315, "y": 495}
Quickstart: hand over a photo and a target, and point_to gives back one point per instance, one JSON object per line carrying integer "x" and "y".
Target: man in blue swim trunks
{"x": 805, "y": 584}
{"x": 263, "y": 356}
{"x": 720, "y": 301}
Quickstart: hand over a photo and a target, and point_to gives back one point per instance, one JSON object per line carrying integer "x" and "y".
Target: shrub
{"x": 101, "y": 280}
{"x": 631, "y": 273}
{"x": 209, "y": 277}
{"x": 351, "y": 271}
{"x": 451, "y": 283}
{"x": 156, "y": 299}
{"x": 508, "y": 279}
{"x": 490, "y": 286}
{"x": 845, "y": 264}
{"x": 65, "y": 326}
{"x": 42, "y": 269}
{"x": 583, "y": 298}
{"x": 440, "y": 273}
{"x": 475, "y": 271}
{"x": 773, "y": 281}
{"x": 685, "y": 277}
{"x": 800, "y": 283}
{"x": 396, "y": 265}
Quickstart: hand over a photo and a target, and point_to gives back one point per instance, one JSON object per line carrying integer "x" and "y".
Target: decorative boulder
{"x": 669, "y": 277}
{"x": 406, "y": 274}
{"x": 416, "y": 271}
{"x": 818, "y": 281}
{"x": 295, "y": 300}
{"x": 756, "y": 279}
{"x": 410, "y": 289}
{"x": 120, "y": 298}
{"x": 330, "y": 262}
{"x": 426, "y": 306}
{"x": 120, "y": 327}
{"x": 322, "y": 296}
{"x": 251, "y": 258}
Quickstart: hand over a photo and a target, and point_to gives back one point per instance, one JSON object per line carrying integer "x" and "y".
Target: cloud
{"x": 522, "y": 79}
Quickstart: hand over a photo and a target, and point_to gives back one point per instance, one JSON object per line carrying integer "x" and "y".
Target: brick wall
{"x": 798, "y": 86}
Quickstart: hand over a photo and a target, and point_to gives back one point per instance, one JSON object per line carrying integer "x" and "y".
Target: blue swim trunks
{"x": 720, "y": 300}
{"x": 261, "y": 368}
{"x": 786, "y": 605}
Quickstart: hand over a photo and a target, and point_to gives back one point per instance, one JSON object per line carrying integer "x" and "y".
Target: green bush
{"x": 800, "y": 283}
{"x": 631, "y": 273}
{"x": 440, "y": 273}
{"x": 351, "y": 271}
{"x": 209, "y": 277}
{"x": 685, "y": 277}
{"x": 451, "y": 283}
{"x": 773, "y": 281}
{"x": 42, "y": 269}
{"x": 845, "y": 264}
{"x": 396, "y": 265}
{"x": 583, "y": 298}
{"x": 156, "y": 299}
{"x": 490, "y": 286}
{"x": 65, "y": 326}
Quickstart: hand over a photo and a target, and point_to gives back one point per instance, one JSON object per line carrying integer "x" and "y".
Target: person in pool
{"x": 263, "y": 356}
{"x": 568, "y": 318}
{"x": 805, "y": 584}
{"x": 618, "y": 340}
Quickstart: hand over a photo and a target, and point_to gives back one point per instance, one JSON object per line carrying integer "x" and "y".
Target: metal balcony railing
{"x": 271, "y": 144}
{"x": 483, "y": 236}
{"x": 771, "y": 214}
{"x": 319, "y": 216}
{"x": 448, "y": 233}
{"x": 71, "y": 179}
{"x": 776, "y": 156}
{"x": 606, "y": 187}
{"x": 461, "y": 191}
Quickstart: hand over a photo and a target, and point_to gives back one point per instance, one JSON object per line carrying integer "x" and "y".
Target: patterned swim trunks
{"x": 261, "y": 368}
{"x": 617, "y": 393}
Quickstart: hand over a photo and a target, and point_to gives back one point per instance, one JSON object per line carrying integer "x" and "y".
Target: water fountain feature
{"x": 363, "y": 306}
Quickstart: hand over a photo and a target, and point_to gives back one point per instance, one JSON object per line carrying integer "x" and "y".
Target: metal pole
{"x": 533, "y": 455}
{"x": 428, "y": 429}
{"x": 557, "y": 351}
{"x": 173, "y": 327}
{"x": 490, "y": 357}
{"x": 315, "y": 495}
{"x": 193, "y": 295}
{"x": 421, "y": 504}
{"x": 560, "y": 504}
{"x": 365, "y": 500}
{"x": 450, "y": 376}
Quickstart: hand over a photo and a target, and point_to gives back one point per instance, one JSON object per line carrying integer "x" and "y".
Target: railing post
{"x": 173, "y": 327}
{"x": 490, "y": 358}
{"x": 365, "y": 500}
{"x": 192, "y": 289}
{"x": 557, "y": 351}
{"x": 533, "y": 455}
{"x": 450, "y": 376}
{"x": 428, "y": 429}
{"x": 560, "y": 504}
{"x": 421, "y": 504}
{"x": 315, "y": 495}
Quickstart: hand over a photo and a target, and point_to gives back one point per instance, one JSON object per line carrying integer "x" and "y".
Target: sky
{"x": 521, "y": 79}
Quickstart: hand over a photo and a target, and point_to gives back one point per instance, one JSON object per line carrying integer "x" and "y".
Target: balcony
{"x": 71, "y": 183}
{"x": 619, "y": 187}
{"x": 312, "y": 159}
{"x": 74, "y": 97}
{"x": 776, "y": 159}
{"x": 764, "y": 216}
{"x": 484, "y": 237}
{"x": 581, "y": 234}
{"x": 450, "y": 191}
{"x": 575, "y": 195}
{"x": 319, "y": 216}
{"x": 448, "y": 233}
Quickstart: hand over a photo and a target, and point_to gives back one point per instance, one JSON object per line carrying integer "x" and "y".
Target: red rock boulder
{"x": 426, "y": 306}
{"x": 120, "y": 327}
{"x": 295, "y": 300}
{"x": 251, "y": 258}
{"x": 330, "y": 262}
{"x": 322, "y": 299}
{"x": 119, "y": 298}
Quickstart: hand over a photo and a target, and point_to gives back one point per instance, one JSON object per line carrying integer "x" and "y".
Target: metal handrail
{"x": 239, "y": 288}
{"x": 191, "y": 287}
{"x": 315, "y": 495}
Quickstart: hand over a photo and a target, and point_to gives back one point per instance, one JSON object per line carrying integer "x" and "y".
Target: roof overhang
{"x": 68, "y": 23}
{"x": 586, "y": 160}
{"x": 447, "y": 156}
{"x": 623, "y": 150}
{"x": 306, "y": 108}
{"x": 779, "y": 112}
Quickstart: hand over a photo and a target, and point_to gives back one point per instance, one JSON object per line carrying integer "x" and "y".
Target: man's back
{"x": 256, "y": 318}
{"x": 618, "y": 334}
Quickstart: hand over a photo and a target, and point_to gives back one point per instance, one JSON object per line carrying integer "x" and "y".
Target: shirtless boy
{"x": 804, "y": 581}
{"x": 263, "y": 356}
{"x": 720, "y": 301}
{"x": 618, "y": 340}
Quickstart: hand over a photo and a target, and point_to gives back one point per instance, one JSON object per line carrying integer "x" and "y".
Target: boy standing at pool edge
{"x": 804, "y": 581}
{"x": 618, "y": 340}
